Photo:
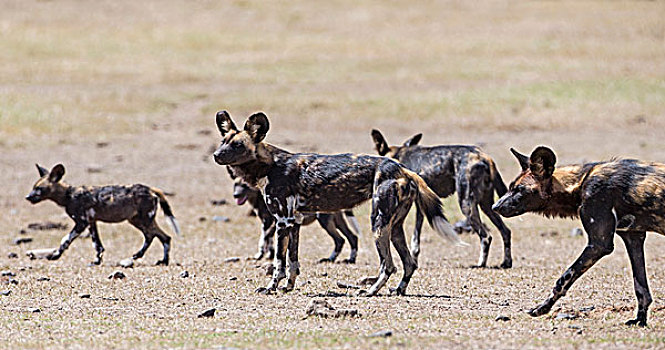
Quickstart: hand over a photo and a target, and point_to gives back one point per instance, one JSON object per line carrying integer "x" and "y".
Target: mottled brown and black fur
{"x": 330, "y": 222}
{"x": 294, "y": 184}
{"x": 88, "y": 204}
{"x": 623, "y": 196}
{"x": 447, "y": 169}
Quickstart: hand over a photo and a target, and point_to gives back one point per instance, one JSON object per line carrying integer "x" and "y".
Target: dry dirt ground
{"x": 125, "y": 92}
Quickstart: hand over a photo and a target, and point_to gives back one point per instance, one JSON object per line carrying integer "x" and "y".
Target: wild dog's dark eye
{"x": 236, "y": 145}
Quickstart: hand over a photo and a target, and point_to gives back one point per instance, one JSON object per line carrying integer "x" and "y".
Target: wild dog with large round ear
{"x": 466, "y": 170}
{"x": 619, "y": 196}
{"x": 300, "y": 183}
{"x": 88, "y": 204}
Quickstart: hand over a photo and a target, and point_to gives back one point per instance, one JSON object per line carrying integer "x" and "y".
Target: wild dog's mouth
{"x": 33, "y": 199}
{"x": 241, "y": 200}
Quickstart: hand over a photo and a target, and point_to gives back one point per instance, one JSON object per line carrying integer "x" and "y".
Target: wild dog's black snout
{"x": 33, "y": 197}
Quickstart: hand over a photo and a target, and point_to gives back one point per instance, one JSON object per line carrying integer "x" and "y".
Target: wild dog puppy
{"x": 625, "y": 196}
{"x": 294, "y": 184}
{"x": 331, "y": 223}
{"x": 88, "y": 204}
{"x": 448, "y": 169}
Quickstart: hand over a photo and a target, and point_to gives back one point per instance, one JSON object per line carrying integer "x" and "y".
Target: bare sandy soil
{"x": 126, "y": 92}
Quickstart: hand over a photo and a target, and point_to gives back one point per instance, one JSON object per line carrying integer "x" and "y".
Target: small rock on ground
{"x": 22, "y": 240}
{"x": 117, "y": 275}
{"x": 321, "y": 308}
{"x": 5, "y": 292}
{"x": 565, "y": 316}
{"x": 126, "y": 263}
{"x": 84, "y": 296}
{"x": 220, "y": 218}
{"x": 381, "y": 334}
{"x": 232, "y": 259}
{"x": 7, "y": 273}
{"x": 184, "y": 274}
{"x": 12, "y": 255}
{"x": 207, "y": 313}
{"x": 43, "y": 279}
{"x": 502, "y": 318}
{"x": 34, "y": 309}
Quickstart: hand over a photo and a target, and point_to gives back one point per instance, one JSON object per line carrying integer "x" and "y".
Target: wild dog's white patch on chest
{"x": 262, "y": 183}
{"x": 91, "y": 213}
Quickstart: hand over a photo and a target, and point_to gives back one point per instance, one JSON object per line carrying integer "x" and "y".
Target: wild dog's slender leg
{"x": 148, "y": 236}
{"x": 486, "y": 207}
{"x": 385, "y": 258}
{"x": 99, "y": 248}
{"x": 294, "y": 265}
{"x": 282, "y": 206}
{"x": 410, "y": 265}
{"x": 265, "y": 242}
{"x": 341, "y": 225}
{"x": 634, "y": 241}
{"x": 469, "y": 207}
{"x": 599, "y": 223}
{"x": 165, "y": 240}
{"x": 415, "y": 239}
{"x": 326, "y": 221}
{"x": 79, "y": 227}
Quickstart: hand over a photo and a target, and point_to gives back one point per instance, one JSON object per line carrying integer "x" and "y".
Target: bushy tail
{"x": 497, "y": 181}
{"x": 353, "y": 222}
{"x": 431, "y": 206}
{"x": 167, "y": 209}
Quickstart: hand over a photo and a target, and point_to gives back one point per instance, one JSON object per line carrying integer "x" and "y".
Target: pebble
{"x": 381, "y": 334}
{"x": 117, "y": 275}
{"x": 565, "y": 316}
{"x": 184, "y": 274}
{"x": 232, "y": 259}
{"x": 126, "y": 263}
{"x": 577, "y": 231}
{"x": 502, "y": 318}
{"x": 22, "y": 240}
{"x": 84, "y": 296}
{"x": 208, "y": 313}
{"x": 220, "y": 218}
{"x": 7, "y": 273}
{"x": 5, "y": 292}
{"x": 43, "y": 279}
{"x": 12, "y": 255}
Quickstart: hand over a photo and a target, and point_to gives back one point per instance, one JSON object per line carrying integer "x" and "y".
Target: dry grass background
{"x": 587, "y": 78}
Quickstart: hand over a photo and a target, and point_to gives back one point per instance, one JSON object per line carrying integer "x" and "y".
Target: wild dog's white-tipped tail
{"x": 174, "y": 224}
{"x": 446, "y": 230}
{"x": 355, "y": 226}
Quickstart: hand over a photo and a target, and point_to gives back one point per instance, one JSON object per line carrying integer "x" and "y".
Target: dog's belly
{"x": 117, "y": 211}
{"x": 330, "y": 202}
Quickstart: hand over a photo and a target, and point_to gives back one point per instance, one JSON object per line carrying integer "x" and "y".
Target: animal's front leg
{"x": 279, "y": 263}
{"x": 294, "y": 265}
{"x": 68, "y": 239}
{"x": 600, "y": 225}
{"x": 99, "y": 248}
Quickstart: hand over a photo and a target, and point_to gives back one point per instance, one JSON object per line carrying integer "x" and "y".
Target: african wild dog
{"x": 448, "y": 169}
{"x": 88, "y": 204}
{"x": 331, "y": 223}
{"x": 293, "y": 184}
{"x": 625, "y": 196}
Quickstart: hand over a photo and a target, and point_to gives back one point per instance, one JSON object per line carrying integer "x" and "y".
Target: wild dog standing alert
{"x": 448, "y": 169}
{"x": 293, "y": 184}
{"x": 625, "y": 196}
{"x": 88, "y": 204}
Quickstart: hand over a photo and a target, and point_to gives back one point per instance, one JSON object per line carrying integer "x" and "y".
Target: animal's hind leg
{"x": 410, "y": 265}
{"x": 99, "y": 248}
{"x": 415, "y": 239}
{"x": 340, "y": 223}
{"x": 166, "y": 243}
{"x": 326, "y": 221}
{"x": 486, "y": 207}
{"x": 148, "y": 236}
{"x": 470, "y": 209}
{"x": 387, "y": 266}
{"x": 634, "y": 241}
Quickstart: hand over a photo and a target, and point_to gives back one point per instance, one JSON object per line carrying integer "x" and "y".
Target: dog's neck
{"x": 565, "y": 191}
{"x": 60, "y": 193}
{"x": 251, "y": 172}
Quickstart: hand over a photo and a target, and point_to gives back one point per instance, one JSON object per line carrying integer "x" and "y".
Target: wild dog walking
{"x": 297, "y": 183}
{"x": 625, "y": 196}
{"x": 88, "y": 204}
{"x": 448, "y": 169}
{"x": 331, "y": 223}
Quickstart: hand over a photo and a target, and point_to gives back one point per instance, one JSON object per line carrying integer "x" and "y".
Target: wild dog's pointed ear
{"x": 522, "y": 159}
{"x": 257, "y": 126}
{"x": 231, "y": 174}
{"x": 413, "y": 140}
{"x": 380, "y": 143}
{"x": 224, "y": 122}
{"x": 542, "y": 162}
{"x": 42, "y": 171}
{"x": 56, "y": 173}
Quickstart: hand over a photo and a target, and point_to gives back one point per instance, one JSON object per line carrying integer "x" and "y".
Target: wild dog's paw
{"x": 540, "y": 310}
{"x": 162, "y": 263}
{"x": 53, "y": 256}
{"x": 506, "y": 264}
{"x": 264, "y": 291}
{"x": 325, "y": 260}
{"x": 349, "y": 261}
{"x": 637, "y": 322}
